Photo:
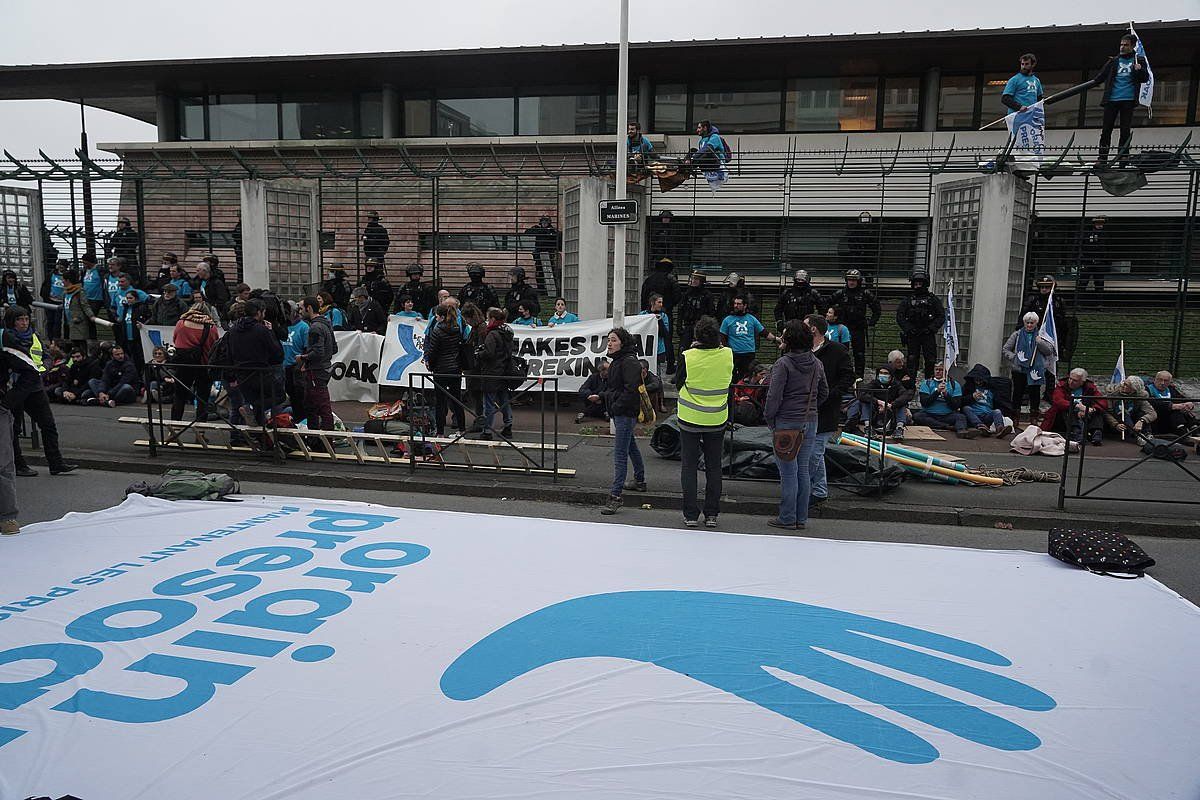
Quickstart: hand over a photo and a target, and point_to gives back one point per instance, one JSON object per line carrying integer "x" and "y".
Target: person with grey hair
{"x": 1133, "y": 413}
{"x": 1077, "y": 399}
{"x": 1175, "y": 411}
{"x": 1031, "y": 359}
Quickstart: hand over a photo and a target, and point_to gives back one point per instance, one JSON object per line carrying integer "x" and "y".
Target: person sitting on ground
{"x": 941, "y": 404}
{"x": 1128, "y": 417}
{"x": 561, "y": 316}
{"x": 336, "y": 317}
{"x": 836, "y": 332}
{"x": 983, "y": 397}
{"x": 169, "y": 308}
{"x": 593, "y": 386}
{"x": 405, "y": 301}
{"x": 365, "y": 314}
{"x": 80, "y": 369}
{"x": 525, "y": 317}
{"x": 1078, "y": 401}
{"x": 54, "y": 362}
{"x": 1176, "y": 413}
{"x": 162, "y": 382}
{"x": 882, "y": 403}
{"x": 653, "y": 384}
{"x": 750, "y": 397}
{"x": 117, "y": 384}
{"x": 13, "y": 292}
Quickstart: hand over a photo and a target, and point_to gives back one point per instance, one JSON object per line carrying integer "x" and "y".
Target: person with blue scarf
{"x": 1031, "y": 359}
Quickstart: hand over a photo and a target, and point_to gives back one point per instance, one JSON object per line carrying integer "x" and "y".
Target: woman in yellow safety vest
{"x": 26, "y": 392}
{"x": 703, "y": 376}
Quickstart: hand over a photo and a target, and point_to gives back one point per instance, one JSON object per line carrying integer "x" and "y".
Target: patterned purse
{"x": 1101, "y": 552}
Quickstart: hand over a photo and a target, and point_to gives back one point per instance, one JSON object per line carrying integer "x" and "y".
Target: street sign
{"x": 618, "y": 212}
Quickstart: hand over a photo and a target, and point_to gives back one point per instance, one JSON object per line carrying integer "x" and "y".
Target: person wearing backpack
{"x": 494, "y": 358}
{"x": 622, "y": 396}
{"x": 711, "y": 152}
{"x": 195, "y": 334}
{"x": 316, "y": 364}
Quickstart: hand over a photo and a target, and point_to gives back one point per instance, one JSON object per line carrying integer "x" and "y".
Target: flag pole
{"x": 1054, "y": 98}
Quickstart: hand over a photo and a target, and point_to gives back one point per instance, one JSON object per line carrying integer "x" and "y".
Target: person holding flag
{"x": 1031, "y": 357}
{"x": 1123, "y": 77}
{"x": 1023, "y": 89}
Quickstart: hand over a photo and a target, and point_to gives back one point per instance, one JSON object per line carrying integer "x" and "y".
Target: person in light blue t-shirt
{"x": 941, "y": 404}
{"x": 525, "y": 317}
{"x": 836, "y": 332}
{"x": 739, "y": 332}
{"x": 561, "y": 316}
{"x": 1023, "y": 89}
{"x": 406, "y": 306}
{"x": 1122, "y": 77}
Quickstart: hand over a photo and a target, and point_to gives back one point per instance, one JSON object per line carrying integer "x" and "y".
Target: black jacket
{"x": 166, "y": 312}
{"x": 494, "y": 357}
{"x": 424, "y": 297}
{"x": 24, "y": 296}
{"x": 521, "y": 294}
{"x": 339, "y": 289}
{"x": 481, "y": 294}
{"x": 1108, "y": 76}
{"x": 375, "y": 240}
{"x": 661, "y": 281}
{"x": 696, "y": 302}
{"x": 368, "y": 317}
{"x": 252, "y": 343}
{"x": 839, "y": 372}
{"x": 215, "y": 292}
{"x": 797, "y": 302}
{"x": 544, "y": 240}
{"x": 80, "y": 372}
{"x": 920, "y": 314}
{"x": 119, "y": 372}
{"x": 621, "y": 394}
{"x": 856, "y": 307}
{"x": 443, "y": 348}
{"x": 728, "y": 293}
{"x": 127, "y": 245}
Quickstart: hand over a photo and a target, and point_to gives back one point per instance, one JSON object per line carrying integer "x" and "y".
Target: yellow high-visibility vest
{"x": 35, "y": 353}
{"x": 704, "y": 398}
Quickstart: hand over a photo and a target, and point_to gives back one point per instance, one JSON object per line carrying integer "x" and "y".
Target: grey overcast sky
{"x": 62, "y": 31}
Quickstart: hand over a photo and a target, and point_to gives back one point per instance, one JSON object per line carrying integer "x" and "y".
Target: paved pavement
{"x": 46, "y": 498}
{"x": 92, "y": 436}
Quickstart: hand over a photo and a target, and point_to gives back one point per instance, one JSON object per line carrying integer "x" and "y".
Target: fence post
{"x": 140, "y": 198}
{"x": 150, "y": 414}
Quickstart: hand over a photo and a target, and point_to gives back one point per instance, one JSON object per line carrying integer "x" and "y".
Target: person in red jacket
{"x": 1080, "y": 402}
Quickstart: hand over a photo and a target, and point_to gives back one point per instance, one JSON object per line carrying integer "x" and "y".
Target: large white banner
{"x": 355, "y": 373}
{"x": 567, "y": 352}
{"x": 301, "y": 649}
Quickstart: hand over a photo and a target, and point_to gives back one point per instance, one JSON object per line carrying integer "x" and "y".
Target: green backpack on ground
{"x": 186, "y": 484}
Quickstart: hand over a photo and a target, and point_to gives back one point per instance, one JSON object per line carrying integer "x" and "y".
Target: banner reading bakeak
{"x": 569, "y": 353}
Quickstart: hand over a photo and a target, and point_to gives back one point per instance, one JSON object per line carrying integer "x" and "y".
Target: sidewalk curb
{"x": 432, "y": 482}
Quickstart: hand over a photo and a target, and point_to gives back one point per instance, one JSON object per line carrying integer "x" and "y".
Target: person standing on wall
{"x": 1023, "y": 89}
{"x": 546, "y": 241}
{"x": 1122, "y": 76}
{"x": 375, "y": 239}
{"x": 857, "y": 309}
{"x": 703, "y": 378}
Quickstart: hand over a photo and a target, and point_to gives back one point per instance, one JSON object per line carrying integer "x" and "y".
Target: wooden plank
{"x": 563, "y": 472}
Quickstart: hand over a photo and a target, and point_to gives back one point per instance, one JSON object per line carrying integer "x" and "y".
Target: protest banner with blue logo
{"x": 1027, "y": 129}
{"x": 308, "y": 649}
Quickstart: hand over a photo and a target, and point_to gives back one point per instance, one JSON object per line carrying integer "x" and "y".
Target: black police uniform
{"x": 858, "y": 310}
{"x": 920, "y": 316}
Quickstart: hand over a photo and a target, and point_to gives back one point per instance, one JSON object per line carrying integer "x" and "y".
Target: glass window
{"x": 670, "y": 108}
{"x": 738, "y": 108}
{"x": 831, "y": 104}
{"x": 610, "y": 109}
{"x": 418, "y": 117}
{"x": 901, "y": 104}
{"x": 370, "y": 114}
{"x": 956, "y": 102}
{"x": 191, "y": 119}
{"x": 1063, "y": 114}
{"x": 475, "y": 116}
{"x": 237, "y": 117}
{"x": 318, "y": 117}
{"x": 1172, "y": 87}
{"x": 559, "y": 115}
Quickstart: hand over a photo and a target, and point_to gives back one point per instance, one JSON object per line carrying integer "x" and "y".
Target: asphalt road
{"x": 46, "y": 498}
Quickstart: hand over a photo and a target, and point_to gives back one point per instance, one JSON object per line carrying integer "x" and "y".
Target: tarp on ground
{"x": 304, "y": 649}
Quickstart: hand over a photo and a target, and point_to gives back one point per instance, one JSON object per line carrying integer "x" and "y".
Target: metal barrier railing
{"x": 1180, "y": 439}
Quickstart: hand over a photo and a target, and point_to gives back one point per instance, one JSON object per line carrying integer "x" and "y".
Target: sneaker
{"x": 690, "y": 523}
{"x": 611, "y": 506}
{"x": 775, "y": 522}
{"x": 710, "y": 522}
{"x": 969, "y": 433}
{"x": 984, "y": 430}
{"x": 63, "y": 469}
{"x": 91, "y": 401}
{"x": 579, "y": 418}
{"x": 485, "y": 436}
{"x": 814, "y": 501}
{"x": 1097, "y": 439}
{"x": 1005, "y": 431}
{"x": 9, "y": 527}
{"x": 26, "y": 471}
{"x": 506, "y": 431}
{"x": 899, "y": 434}
{"x": 1072, "y": 446}
{"x": 636, "y": 486}
{"x": 111, "y": 403}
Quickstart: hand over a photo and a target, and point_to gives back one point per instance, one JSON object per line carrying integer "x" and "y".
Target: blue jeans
{"x": 625, "y": 449}
{"x": 820, "y": 481}
{"x": 118, "y": 394}
{"x": 977, "y": 418}
{"x": 498, "y": 400}
{"x": 955, "y": 420}
{"x": 795, "y": 478}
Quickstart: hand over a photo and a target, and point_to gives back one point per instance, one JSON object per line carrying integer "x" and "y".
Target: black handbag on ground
{"x": 1102, "y": 552}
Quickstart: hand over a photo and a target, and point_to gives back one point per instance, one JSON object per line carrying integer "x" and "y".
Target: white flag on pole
{"x": 1146, "y": 90}
{"x": 1028, "y": 130}
{"x": 1119, "y": 371}
{"x": 951, "y": 329}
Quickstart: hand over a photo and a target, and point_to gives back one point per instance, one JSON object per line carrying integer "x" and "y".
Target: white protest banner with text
{"x": 355, "y": 372}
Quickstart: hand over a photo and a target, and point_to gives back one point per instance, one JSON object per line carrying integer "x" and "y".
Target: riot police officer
{"x": 696, "y": 302}
{"x": 424, "y": 295}
{"x": 920, "y": 316}
{"x": 375, "y": 281}
{"x": 798, "y": 301}
{"x": 520, "y": 294}
{"x": 476, "y": 291}
{"x": 858, "y": 310}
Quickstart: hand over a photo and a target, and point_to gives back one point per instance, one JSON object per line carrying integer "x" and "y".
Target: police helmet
{"x": 698, "y": 275}
{"x": 475, "y": 269}
{"x": 801, "y": 276}
{"x": 517, "y": 273}
{"x": 854, "y": 274}
{"x": 1046, "y": 280}
{"x": 918, "y": 278}
{"x": 414, "y": 269}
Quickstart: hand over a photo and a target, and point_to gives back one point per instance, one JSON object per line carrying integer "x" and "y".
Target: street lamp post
{"x": 618, "y": 303}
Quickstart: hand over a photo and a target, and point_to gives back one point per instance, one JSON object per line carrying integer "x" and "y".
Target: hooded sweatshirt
{"x": 794, "y": 377}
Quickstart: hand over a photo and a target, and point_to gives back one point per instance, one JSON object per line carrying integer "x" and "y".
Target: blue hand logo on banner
{"x": 404, "y": 334}
{"x": 730, "y": 642}
{"x": 156, "y": 338}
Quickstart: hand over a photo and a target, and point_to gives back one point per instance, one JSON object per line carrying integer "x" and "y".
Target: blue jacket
{"x": 642, "y": 146}
{"x": 712, "y": 142}
{"x": 184, "y": 286}
{"x": 93, "y": 284}
{"x": 935, "y": 403}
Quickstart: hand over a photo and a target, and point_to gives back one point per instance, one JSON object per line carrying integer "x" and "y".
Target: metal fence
{"x": 1128, "y": 280}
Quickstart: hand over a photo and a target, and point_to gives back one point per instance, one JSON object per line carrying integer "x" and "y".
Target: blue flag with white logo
{"x": 1028, "y": 129}
{"x": 1146, "y": 91}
